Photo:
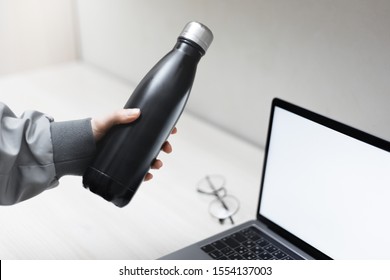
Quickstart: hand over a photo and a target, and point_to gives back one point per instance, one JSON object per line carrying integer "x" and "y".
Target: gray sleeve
{"x": 73, "y": 146}
{"x": 35, "y": 152}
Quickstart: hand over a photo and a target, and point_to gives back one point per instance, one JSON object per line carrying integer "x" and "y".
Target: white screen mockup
{"x": 327, "y": 188}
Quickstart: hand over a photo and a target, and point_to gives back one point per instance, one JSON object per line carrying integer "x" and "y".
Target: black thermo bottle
{"x": 126, "y": 152}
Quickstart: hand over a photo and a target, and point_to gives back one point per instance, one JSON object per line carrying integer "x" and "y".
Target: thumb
{"x": 101, "y": 125}
{"x": 124, "y": 116}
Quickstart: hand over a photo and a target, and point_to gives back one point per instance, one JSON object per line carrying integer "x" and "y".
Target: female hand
{"x": 101, "y": 125}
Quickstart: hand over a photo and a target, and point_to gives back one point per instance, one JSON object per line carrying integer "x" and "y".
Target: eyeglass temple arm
{"x": 218, "y": 197}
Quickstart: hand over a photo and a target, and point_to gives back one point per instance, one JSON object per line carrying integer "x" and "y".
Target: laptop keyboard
{"x": 246, "y": 244}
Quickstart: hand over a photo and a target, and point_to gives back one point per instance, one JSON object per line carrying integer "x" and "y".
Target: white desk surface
{"x": 70, "y": 222}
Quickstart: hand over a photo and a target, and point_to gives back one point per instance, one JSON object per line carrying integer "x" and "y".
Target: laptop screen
{"x": 328, "y": 189}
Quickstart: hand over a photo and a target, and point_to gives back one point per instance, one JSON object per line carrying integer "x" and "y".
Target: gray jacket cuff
{"x": 73, "y": 146}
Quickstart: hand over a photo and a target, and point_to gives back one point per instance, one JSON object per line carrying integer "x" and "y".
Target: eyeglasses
{"x": 224, "y": 206}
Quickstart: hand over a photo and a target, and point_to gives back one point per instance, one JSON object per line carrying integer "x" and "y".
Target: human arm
{"x": 35, "y": 151}
{"x": 26, "y": 155}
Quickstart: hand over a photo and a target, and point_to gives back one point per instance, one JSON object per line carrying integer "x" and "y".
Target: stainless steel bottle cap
{"x": 198, "y": 33}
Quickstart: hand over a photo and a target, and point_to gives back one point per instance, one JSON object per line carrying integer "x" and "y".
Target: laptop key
{"x": 250, "y": 234}
{"x": 241, "y": 250}
{"x": 235, "y": 256}
{"x": 279, "y": 254}
{"x": 227, "y": 251}
{"x": 247, "y": 231}
{"x": 208, "y": 248}
{"x": 254, "y": 237}
{"x": 257, "y": 249}
{"x": 230, "y": 242}
{"x": 215, "y": 254}
{"x": 238, "y": 237}
{"x": 262, "y": 242}
{"x": 265, "y": 256}
{"x": 218, "y": 244}
{"x": 249, "y": 256}
{"x": 248, "y": 244}
{"x": 271, "y": 248}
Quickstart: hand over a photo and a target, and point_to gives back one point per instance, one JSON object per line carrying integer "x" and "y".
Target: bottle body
{"x": 126, "y": 153}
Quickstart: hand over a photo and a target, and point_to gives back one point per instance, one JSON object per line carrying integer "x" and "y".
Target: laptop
{"x": 324, "y": 194}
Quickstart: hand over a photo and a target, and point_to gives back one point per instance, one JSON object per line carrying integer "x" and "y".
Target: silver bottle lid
{"x": 198, "y": 33}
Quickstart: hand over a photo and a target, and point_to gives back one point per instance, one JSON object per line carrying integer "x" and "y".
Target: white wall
{"x": 331, "y": 56}
{"x": 35, "y": 33}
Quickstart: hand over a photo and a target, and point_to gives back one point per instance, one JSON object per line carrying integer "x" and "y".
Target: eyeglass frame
{"x": 216, "y": 192}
